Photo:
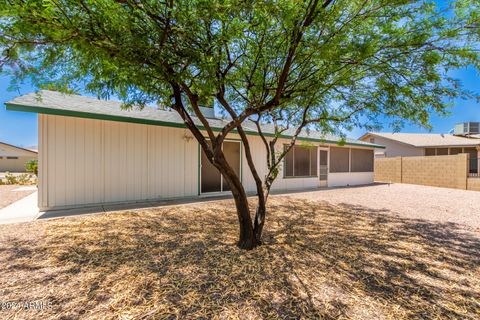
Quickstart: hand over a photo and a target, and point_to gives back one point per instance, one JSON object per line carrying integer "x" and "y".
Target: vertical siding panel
{"x": 171, "y": 171}
{"x": 177, "y": 173}
{"x": 115, "y": 161}
{"x": 190, "y": 161}
{"x": 106, "y": 151}
{"x": 186, "y": 166}
{"x": 177, "y": 164}
{"x": 100, "y": 162}
{"x": 80, "y": 163}
{"x": 97, "y": 162}
{"x": 134, "y": 149}
{"x": 147, "y": 162}
{"x": 70, "y": 166}
{"x": 138, "y": 150}
{"x": 112, "y": 158}
{"x": 143, "y": 139}
{"x": 133, "y": 153}
{"x": 151, "y": 165}
{"x": 159, "y": 163}
{"x": 173, "y": 175}
{"x": 51, "y": 168}
{"x": 60, "y": 163}
{"x": 196, "y": 167}
{"x": 176, "y": 177}
{"x": 162, "y": 163}
{"x": 144, "y": 163}
{"x": 151, "y": 170}
{"x": 89, "y": 158}
{"x": 154, "y": 165}
{"x": 130, "y": 169}
{"x": 108, "y": 163}
{"x": 121, "y": 174}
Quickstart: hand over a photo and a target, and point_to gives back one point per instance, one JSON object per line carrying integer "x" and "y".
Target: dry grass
{"x": 319, "y": 261}
{"x": 7, "y": 196}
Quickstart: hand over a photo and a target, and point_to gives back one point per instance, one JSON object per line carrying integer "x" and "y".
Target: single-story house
{"x": 13, "y": 158}
{"x": 422, "y": 144}
{"x": 92, "y": 152}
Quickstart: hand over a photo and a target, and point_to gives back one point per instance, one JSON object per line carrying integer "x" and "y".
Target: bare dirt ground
{"x": 8, "y": 196}
{"x": 408, "y": 201}
{"x": 319, "y": 260}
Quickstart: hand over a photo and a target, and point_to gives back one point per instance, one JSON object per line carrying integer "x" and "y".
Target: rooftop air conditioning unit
{"x": 466, "y": 128}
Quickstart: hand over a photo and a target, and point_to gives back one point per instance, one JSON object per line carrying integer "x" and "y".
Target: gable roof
{"x": 423, "y": 140}
{"x": 11, "y": 146}
{"x": 56, "y": 103}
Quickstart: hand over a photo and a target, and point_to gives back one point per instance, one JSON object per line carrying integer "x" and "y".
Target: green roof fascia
{"x": 99, "y": 116}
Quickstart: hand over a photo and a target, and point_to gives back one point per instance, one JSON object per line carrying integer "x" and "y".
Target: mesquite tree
{"x": 296, "y": 65}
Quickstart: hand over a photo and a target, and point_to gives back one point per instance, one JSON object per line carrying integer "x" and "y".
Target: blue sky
{"x": 20, "y": 128}
{"x": 461, "y": 111}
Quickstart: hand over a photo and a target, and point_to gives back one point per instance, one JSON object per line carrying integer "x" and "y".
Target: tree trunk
{"x": 260, "y": 215}
{"x": 247, "y": 238}
{"x": 259, "y": 220}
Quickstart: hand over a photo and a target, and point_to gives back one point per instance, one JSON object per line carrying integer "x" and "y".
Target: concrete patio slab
{"x": 23, "y": 210}
{"x": 26, "y": 188}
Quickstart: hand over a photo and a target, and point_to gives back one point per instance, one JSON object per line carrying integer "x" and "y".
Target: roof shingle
{"x": 428, "y": 139}
{"x": 52, "y": 102}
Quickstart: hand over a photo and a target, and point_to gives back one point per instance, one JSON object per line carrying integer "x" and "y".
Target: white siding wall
{"x": 397, "y": 149}
{"x": 85, "y": 162}
{"x": 349, "y": 178}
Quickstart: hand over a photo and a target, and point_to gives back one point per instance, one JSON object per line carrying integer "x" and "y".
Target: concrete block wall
{"x": 388, "y": 170}
{"x": 438, "y": 171}
{"x": 473, "y": 184}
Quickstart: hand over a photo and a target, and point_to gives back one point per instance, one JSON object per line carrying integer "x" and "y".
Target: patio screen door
{"x": 323, "y": 174}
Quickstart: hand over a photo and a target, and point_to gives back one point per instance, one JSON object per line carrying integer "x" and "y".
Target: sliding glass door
{"x": 211, "y": 179}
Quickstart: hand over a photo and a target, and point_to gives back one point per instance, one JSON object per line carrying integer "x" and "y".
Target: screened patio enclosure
{"x": 301, "y": 162}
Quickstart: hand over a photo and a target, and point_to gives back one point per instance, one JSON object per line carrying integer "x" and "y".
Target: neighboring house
{"x": 422, "y": 144}
{"x": 13, "y": 158}
{"x": 93, "y": 152}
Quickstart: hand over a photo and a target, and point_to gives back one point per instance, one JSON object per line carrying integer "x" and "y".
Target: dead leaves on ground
{"x": 318, "y": 261}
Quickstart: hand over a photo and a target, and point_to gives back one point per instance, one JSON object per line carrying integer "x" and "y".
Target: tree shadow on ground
{"x": 318, "y": 261}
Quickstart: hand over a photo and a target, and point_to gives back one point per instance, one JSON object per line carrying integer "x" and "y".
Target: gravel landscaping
{"x": 319, "y": 260}
{"x": 408, "y": 201}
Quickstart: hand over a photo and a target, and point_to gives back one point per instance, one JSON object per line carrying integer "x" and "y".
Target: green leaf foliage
{"x": 352, "y": 61}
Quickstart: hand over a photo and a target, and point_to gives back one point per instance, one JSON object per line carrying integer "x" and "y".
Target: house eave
{"x": 99, "y": 116}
